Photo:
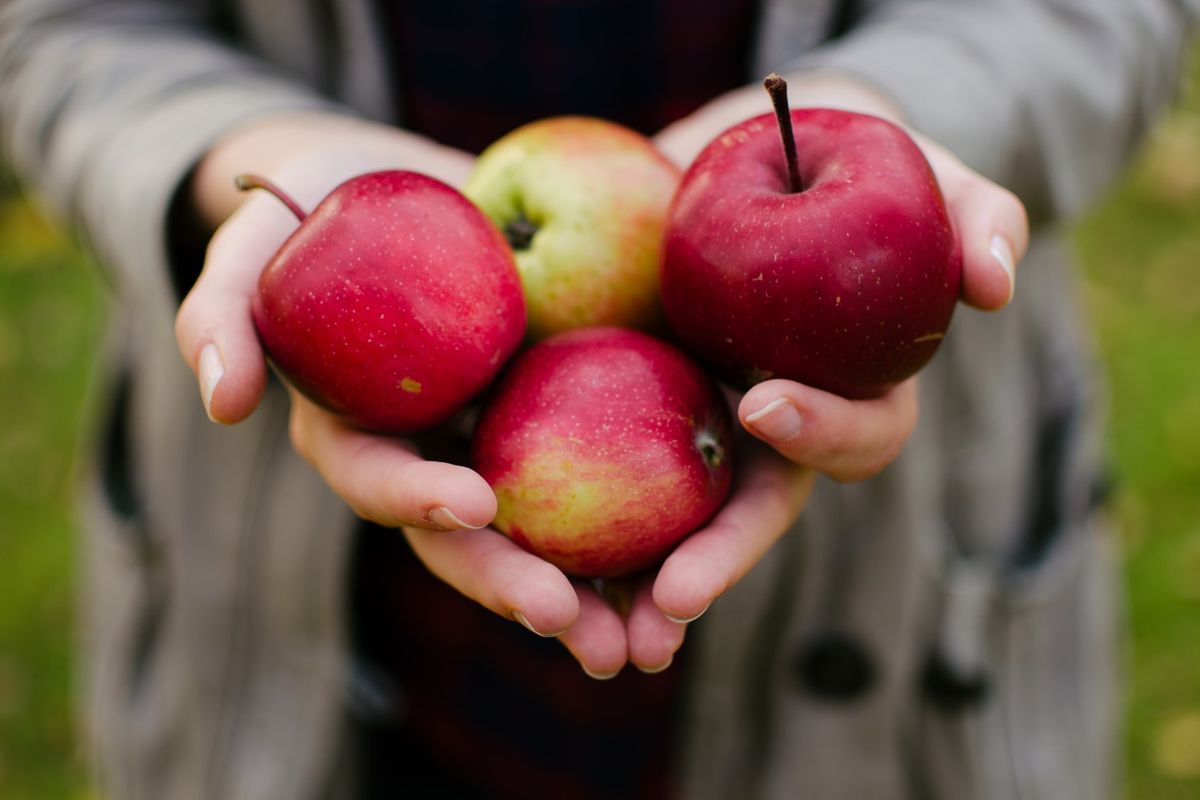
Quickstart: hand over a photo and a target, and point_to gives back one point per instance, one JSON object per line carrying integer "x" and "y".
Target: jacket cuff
{"x": 945, "y": 88}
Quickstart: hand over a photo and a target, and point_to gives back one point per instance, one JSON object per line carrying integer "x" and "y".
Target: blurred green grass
{"x": 1140, "y": 252}
{"x": 51, "y": 315}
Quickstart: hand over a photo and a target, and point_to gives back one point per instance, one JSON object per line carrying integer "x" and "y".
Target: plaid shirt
{"x": 467, "y": 704}
{"x": 472, "y": 70}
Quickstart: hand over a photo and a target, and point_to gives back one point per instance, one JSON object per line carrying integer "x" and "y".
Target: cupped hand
{"x": 811, "y": 427}
{"x": 442, "y": 508}
{"x": 306, "y": 155}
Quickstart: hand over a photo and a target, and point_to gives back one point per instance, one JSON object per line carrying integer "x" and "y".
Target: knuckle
{"x": 185, "y": 318}
{"x": 869, "y": 464}
{"x": 298, "y": 434}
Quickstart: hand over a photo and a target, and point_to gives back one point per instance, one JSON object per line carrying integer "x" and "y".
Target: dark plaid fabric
{"x": 467, "y": 704}
{"x": 462, "y": 703}
{"x": 472, "y": 70}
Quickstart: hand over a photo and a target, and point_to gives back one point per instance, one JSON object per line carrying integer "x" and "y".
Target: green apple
{"x": 583, "y": 202}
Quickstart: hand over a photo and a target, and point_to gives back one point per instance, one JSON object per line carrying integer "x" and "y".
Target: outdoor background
{"x": 1140, "y": 252}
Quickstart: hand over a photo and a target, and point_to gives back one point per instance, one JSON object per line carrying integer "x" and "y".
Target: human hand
{"x": 640, "y": 620}
{"x": 307, "y": 155}
{"x": 990, "y": 222}
{"x": 645, "y": 617}
{"x": 442, "y": 507}
{"x": 381, "y": 478}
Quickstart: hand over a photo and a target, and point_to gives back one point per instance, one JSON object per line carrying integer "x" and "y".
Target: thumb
{"x": 214, "y": 327}
{"x": 848, "y": 440}
{"x": 992, "y": 226}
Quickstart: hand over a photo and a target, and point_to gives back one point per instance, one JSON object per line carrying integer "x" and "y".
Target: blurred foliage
{"x": 1141, "y": 255}
{"x": 50, "y": 318}
{"x": 1140, "y": 251}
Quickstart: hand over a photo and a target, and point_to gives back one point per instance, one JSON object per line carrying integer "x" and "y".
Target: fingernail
{"x": 521, "y": 618}
{"x": 211, "y": 371}
{"x": 445, "y": 519}
{"x": 1001, "y": 250}
{"x": 600, "y": 676}
{"x": 692, "y": 618}
{"x": 778, "y": 420}
{"x": 656, "y": 670}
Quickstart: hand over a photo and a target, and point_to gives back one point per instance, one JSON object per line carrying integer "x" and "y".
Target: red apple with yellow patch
{"x": 605, "y": 448}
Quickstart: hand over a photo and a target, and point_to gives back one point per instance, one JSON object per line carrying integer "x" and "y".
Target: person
{"x": 894, "y": 603}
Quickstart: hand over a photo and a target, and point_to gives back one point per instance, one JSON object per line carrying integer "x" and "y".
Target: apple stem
{"x": 520, "y": 232}
{"x": 249, "y": 181}
{"x": 777, "y": 88}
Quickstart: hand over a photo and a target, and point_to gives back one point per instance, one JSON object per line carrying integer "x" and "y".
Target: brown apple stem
{"x": 777, "y": 88}
{"x": 249, "y": 181}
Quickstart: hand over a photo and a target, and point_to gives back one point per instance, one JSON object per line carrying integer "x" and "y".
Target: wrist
{"x": 316, "y": 151}
{"x": 829, "y": 89}
{"x": 683, "y": 140}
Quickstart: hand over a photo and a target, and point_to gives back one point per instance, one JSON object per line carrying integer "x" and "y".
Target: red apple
{"x": 393, "y": 303}
{"x": 583, "y": 203}
{"x": 843, "y": 276}
{"x": 605, "y": 448}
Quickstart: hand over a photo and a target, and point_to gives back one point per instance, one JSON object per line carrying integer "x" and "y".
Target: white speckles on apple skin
{"x": 828, "y": 259}
{"x": 387, "y": 296}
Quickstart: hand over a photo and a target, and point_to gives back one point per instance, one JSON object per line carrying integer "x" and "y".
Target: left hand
{"x": 813, "y": 430}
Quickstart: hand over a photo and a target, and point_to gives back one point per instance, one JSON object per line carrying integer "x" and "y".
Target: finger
{"x": 384, "y": 480}
{"x": 992, "y": 228}
{"x": 848, "y": 440}
{"x": 653, "y": 638}
{"x": 767, "y": 499}
{"x": 597, "y": 639}
{"x": 994, "y": 233}
{"x": 214, "y": 327}
{"x": 490, "y": 569}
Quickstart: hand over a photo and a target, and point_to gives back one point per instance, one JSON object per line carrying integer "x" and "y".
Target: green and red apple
{"x": 583, "y": 203}
{"x": 605, "y": 448}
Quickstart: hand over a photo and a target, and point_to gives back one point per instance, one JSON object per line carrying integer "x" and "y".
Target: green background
{"x": 1140, "y": 253}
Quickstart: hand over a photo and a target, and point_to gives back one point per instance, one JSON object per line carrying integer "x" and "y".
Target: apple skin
{"x": 393, "y": 304}
{"x": 597, "y": 195}
{"x": 605, "y": 448}
{"x": 848, "y": 285}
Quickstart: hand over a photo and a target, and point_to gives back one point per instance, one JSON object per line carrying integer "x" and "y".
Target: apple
{"x": 605, "y": 448}
{"x": 582, "y": 202}
{"x": 828, "y": 260}
{"x": 394, "y": 302}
